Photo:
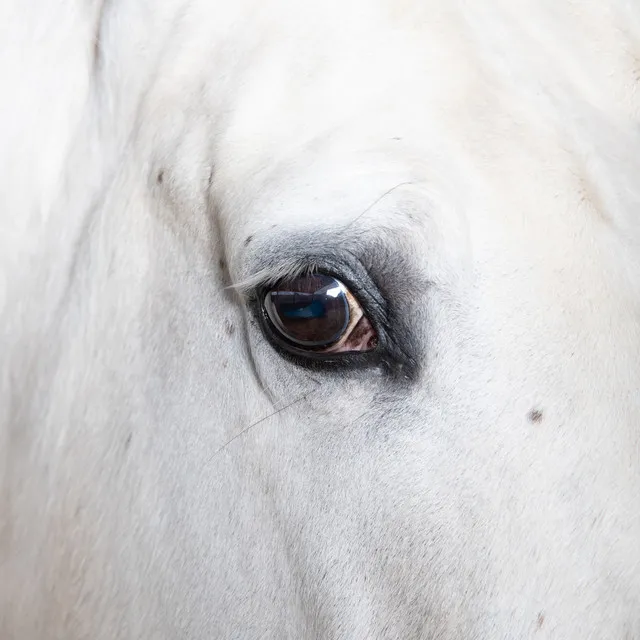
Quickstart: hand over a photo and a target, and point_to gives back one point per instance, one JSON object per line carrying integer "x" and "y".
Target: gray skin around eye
{"x": 390, "y": 290}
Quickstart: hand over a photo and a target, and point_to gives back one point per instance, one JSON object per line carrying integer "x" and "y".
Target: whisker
{"x": 375, "y": 202}
{"x": 270, "y": 415}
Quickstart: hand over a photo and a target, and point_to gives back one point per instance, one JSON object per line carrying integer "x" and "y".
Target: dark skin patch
{"x": 160, "y": 177}
{"x": 535, "y": 416}
{"x": 96, "y": 51}
{"x": 247, "y": 240}
{"x": 105, "y": 7}
{"x": 222, "y": 264}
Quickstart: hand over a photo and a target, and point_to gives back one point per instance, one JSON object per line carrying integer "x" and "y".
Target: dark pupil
{"x": 311, "y": 311}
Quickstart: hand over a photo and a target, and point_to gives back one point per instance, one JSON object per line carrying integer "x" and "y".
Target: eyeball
{"x": 318, "y": 313}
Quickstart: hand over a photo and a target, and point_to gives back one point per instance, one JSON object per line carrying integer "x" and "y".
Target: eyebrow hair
{"x": 374, "y": 255}
{"x": 304, "y": 252}
{"x": 271, "y": 271}
{"x": 288, "y": 268}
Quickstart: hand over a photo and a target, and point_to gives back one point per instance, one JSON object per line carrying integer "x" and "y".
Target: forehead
{"x": 483, "y": 119}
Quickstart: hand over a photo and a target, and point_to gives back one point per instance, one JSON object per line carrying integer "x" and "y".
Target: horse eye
{"x": 317, "y": 312}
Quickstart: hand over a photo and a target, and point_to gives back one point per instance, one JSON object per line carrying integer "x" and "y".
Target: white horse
{"x": 319, "y": 319}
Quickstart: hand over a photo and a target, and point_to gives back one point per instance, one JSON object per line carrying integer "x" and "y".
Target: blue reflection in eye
{"x": 315, "y": 309}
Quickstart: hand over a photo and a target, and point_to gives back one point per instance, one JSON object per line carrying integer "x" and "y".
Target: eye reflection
{"x": 317, "y": 312}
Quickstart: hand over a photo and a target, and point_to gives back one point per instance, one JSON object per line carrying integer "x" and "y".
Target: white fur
{"x": 165, "y": 473}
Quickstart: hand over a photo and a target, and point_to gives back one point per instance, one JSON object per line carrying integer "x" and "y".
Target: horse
{"x": 320, "y": 319}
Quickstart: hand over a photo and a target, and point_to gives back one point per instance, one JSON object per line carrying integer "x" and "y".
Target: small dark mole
{"x": 160, "y": 177}
{"x": 540, "y": 620}
{"x": 229, "y": 327}
{"x": 248, "y": 240}
{"x": 127, "y": 442}
{"x": 222, "y": 264}
{"x": 535, "y": 416}
{"x": 225, "y": 364}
